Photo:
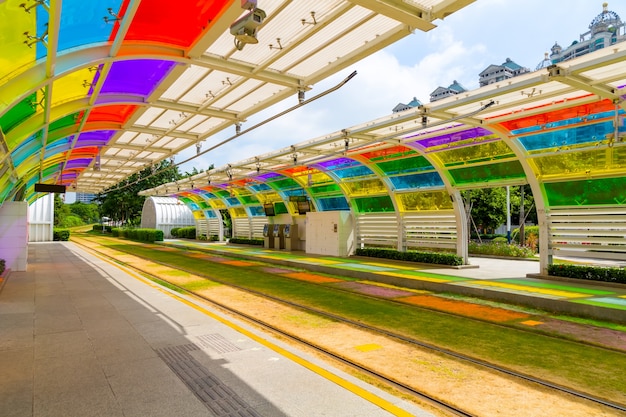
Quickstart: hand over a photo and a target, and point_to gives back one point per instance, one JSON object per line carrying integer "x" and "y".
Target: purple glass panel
{"x": 95, "y": 138}
{"x": 338, "y": 163}
{"x": 78, "y": 163}
{"x": 452, "y": 137}
{"x": 269, "y": 175}
{"x": 135, "y": 77}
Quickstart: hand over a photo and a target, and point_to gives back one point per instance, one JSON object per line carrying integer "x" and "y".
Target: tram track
{"x": 398, "y": 385}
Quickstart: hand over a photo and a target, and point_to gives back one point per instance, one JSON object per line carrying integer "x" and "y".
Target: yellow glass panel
{"x": 217, "y": 204}
{"x": 70, "y": 87}
{"x": 15, "y": 54}
{"x": 365, "y": 187}
{"x": 436, "y": 200}
{"x": 472, "y": 154}
{"x": 587, "y": 162}
{"x": 198, "y": 214}
{"x": 270, "y": 197}
{"x": 238, "y": 212}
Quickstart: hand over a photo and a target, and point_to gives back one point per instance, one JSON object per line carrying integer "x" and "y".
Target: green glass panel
{"x": 222, "y": 193}
{"x": 405, "y": 166}
{"x": 365, "y": 187}
{"x": 374, "y": 204}
{"x": 484, "y": 173}
{"x": 204, "y": 205}
{"x": 284, "y": 184}
{"x": 280, "y": 208}
{"x": 325, "y": 189}
{"x": 593, "y": 161}
{"x": 604, "y": 191}
{"x": 249, "y": 199}
{"x": 393, "y": 156}
{"x": 437, "y": 200}
{"x": 474, "y": 154}
{"x": 17, "y": 114}
{"x": 63, "y": 122}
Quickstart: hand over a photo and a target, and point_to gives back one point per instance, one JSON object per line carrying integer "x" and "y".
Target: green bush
{"x": 411, "y": 256}
{"x": 2, "y": 266}
{"x": 142, "y": 235}
{"x": 186, "y": 232}
{"x": 60, "y": 234}
{"x": 531, "y": 237}
{"x": 500, "y": 249}
{"x": 71, "y": 221}
{"x": 242, "y": 241}
{"x": 98, "y": 228}
{"x": 174, "y": 231}
{"x": 591, "y": 273}
{"x": 500, "y": 239}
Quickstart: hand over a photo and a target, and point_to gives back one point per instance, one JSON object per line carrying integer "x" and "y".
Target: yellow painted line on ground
{"x": 415, "y": 277}
{"x": 318, "y": 261}
{"x": 407, "y": 268}
{"x": 557, "y": 293}
{"x": 368, "y": 347}
{"x": 361, "y": 392}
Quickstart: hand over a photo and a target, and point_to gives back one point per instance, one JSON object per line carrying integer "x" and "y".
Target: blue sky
{"x": 485, "y": 32}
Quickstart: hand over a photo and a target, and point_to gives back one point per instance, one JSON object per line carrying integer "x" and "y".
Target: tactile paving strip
{"x": 217, "y": 342}
{"x": 218, "y": 397}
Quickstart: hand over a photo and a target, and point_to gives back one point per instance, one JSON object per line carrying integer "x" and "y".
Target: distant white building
{"x": 412, "y": 104}
{"x": 605, "y": 29}
{"x": 85, "y": 197}
{"x": 443, "y": 92}
{"x": 496, "y": 73}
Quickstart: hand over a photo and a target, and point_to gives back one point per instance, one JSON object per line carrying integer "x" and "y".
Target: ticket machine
{"x": 268, "y": 237}
{"x": 292, "y": 240}
{"x": 279, "y": 236}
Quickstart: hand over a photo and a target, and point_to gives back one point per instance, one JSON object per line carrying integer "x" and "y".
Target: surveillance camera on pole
{"x": 245, "y": 29}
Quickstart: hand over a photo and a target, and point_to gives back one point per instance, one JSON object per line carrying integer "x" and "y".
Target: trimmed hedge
{"x": 412, "y": 256}
{"x": 98, "y": 228}
{"x": 591, "y": 273}
{"x": 60, "y": 234}
{"x": 184, "y": 232}
{"x": 2, "y": 266}
{"x": 142, "y": 235}
{"x": 242, "y": 241}
{"x": 500, "y": 249}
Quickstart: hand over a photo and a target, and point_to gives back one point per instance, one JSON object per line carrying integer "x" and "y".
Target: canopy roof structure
{"x": 92, "y": 92}
{"x": 560, "y": 129}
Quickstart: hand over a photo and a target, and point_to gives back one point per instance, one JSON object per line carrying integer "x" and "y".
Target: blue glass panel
{"x": 58, "y": 147}
{"x": 232, "y": 201}
{"x": 573, "y": 136}
{"x": 208, "y": 196}
{"x": 82, "y": 22}
{"x": 359, "y": 171}
{"x": 338, "y": 163}
{"x": 43, "y": 17}
{"x": 256, "y": 211}
{"x": 427, "y": 180}
{"x": 332, "y": 203}
{"x": 210, "y": 214}
{"x": 295, "y": 192}
{"x": 259, "y": 187}
{"x": 193, "y": 206}
{"x": 26, "y": 149}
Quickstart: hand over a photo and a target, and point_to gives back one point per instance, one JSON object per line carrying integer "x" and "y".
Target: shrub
{"x": 500, "y": 249}
{"x": 186, "y": 232}
{"x": 242, "y": 241}
{"x": 142, "y": 235}
{"x": 411, "y": 256}
{"x": 592, "y": 273}
{"x": 500, "y": 239}
{"x": 98, "y": 228}
{"x": 2, "y": 266}
{"x": 60, "y": 234}
{"x": 174, "y": 231}
{"x": 531, "y": 237}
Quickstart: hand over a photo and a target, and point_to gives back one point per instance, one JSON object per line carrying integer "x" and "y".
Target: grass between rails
{"x": 587, "y": 368}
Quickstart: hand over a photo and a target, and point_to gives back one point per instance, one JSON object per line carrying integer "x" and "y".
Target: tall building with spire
{"x": 605, "y": 29}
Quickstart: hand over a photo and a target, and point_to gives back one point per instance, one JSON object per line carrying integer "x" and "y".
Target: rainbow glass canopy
{"x": 94, "y": 91}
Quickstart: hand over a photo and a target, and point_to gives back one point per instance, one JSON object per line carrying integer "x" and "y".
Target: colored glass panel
{"x": 296, "y": 192}
{"x": 593, "y": 161}
{"x": 18, "y": 113}
{"x": 73, "y": 86}
{"x": 424, "y": 201}
{"x": 393, "y": 152}
{"x": 357, "y": 171}
{"x": 257, "y": 188}
{"x": 604, "y": 191}
{"x": 474, "y": 154}
{"x": 325, "y": 189}
{"x": 63, "y": 122}
{"x": 178, "y": 22}
{"x": 249, "y": 199}
{"x": 374, "y": 204}
{"x": 238, "y": 212}
{"x": 569, "y": 137}
{"x": 268, "y": 176}
{"x": 14, "y": 53}
{"x": 78, "y": 163}
{"x": 284, "y": 184}
{"x": 110, "y": 114}
{"x": 232, "y": 201}
{"x": 491, "y": 172}
{"x": 332, "y": 203}
{"x": 26, "y": 149}
{"x": 135, "y": 77}
{"x": 82, "y": 22}
{"x": 210, "y": 214}
{"x": 426, "y": 180}
{"x": 405, "y": 166}
{"x": 256, "y": 211}
{"x": 280, "y": 208}
{"x": 451, "y": 138}
{"x": 366, "y": 187}
{"x": 339, "y": 163}
{"x": 97, "y": 138}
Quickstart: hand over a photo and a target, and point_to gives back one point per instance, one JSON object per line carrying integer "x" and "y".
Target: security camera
{"x": 244, "y": 30}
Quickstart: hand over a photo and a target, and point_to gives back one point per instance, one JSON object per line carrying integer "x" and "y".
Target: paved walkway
{"x": 82, "y": 337}
{"x": 499, "y": 279}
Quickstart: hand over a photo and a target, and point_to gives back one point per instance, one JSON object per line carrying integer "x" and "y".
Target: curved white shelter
{"x": 165, "y": 213}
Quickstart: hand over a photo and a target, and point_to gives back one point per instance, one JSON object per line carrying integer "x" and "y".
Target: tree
{"x": 61, "y": 211}
{"x": 486, "y": 206}
{"x": 88, "y": 213}
{"x": 122, "y": 203}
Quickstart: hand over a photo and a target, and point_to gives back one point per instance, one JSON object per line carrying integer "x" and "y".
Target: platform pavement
{"x": 504, "y": 280}
{"x": 82, "y": 337}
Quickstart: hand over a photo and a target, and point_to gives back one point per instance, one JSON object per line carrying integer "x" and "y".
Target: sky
{"x": 459, "y": 48}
